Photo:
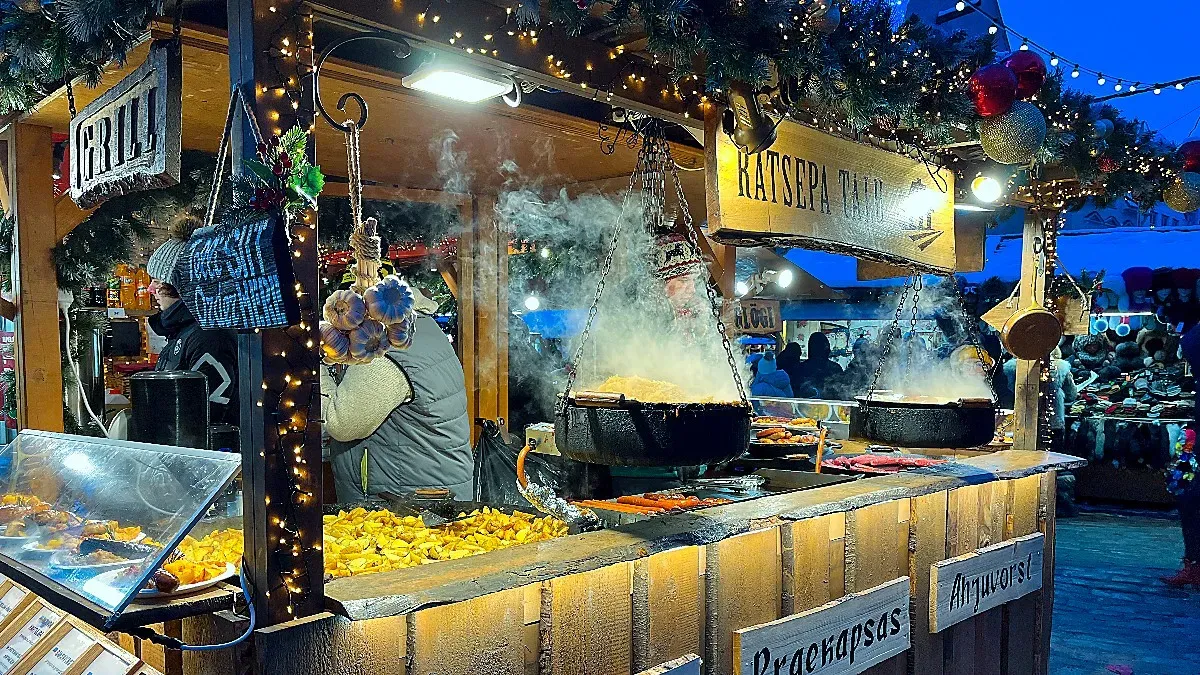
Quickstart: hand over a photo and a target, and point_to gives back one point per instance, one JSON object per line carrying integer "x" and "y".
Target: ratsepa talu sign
{"x": 843, "y": 637}
{"x": 821, "y": 191}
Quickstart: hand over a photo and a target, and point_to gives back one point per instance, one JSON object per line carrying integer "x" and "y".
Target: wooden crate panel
{"x": 586, "y": 622}
{"x": 927, "y": 534}
{"x": 877, "y": 553}
{"x": 484, "y": 636}
{"x": 743, "y": 587}
{"x": 814, "y": 562}
{"x": 668, "y": 604}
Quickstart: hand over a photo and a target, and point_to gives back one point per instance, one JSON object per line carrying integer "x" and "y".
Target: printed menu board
{"x": 10, "y": 600}
{"x": 33, "y": 631}
{"x": 64, "y": 654}
{"x": 109, "y": 662}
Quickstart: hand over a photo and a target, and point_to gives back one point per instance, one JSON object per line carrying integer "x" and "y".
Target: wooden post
{"x": 483, "y": 312}
{"x": 1028, "y": 388}
{"x": 35, "y": 284}
{"x": 269, "y": 56}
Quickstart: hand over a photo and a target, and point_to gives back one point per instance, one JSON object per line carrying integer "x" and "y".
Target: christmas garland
{"x": 46, "y": 43}
{"x": 857, "y": 65}
{"x": 853, "y": 66}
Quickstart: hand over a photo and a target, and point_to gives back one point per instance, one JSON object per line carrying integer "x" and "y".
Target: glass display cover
{"x": 98, "y": 516}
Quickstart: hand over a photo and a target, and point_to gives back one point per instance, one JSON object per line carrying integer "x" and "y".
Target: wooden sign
{"x": 129, "y": 138}
{"x": 684, "y": 665}
{"x": 757, "y": 316}
{"x": 962, "y": 587}
{"x": 846, "y": 636}
{"x": 819, "y": 191}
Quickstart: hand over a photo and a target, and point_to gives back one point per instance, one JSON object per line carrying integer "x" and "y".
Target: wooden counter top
{"x": 403, "y": 591}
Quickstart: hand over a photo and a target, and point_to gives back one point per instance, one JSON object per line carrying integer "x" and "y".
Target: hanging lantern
{"x": 1030, "y": 70}
{"x": 1014, "y": 137}
{"x": 1183, "y": 195}
{"x": 993, "y": 90}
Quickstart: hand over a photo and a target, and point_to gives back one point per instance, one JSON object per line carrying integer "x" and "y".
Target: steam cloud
{"x": 915, "y": 369}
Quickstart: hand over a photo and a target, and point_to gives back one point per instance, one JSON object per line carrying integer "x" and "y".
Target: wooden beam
{"x": 602, "y": 69}
{"x": 277, "y": 368}
{"x": 35, "y": 284}
{"x": 1028, "y": 388}
{"x": 449, "y": 273}
{"x": 395, "y": 193}
{"x": 68, "y": 216}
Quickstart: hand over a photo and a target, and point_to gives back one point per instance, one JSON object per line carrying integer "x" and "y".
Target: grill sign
{"x": 756, "y": 317}
{"x": 825, "y": 192}
{"x": 129, "y": 138}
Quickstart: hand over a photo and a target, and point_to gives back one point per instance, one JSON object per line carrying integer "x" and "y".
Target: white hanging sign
{"x": 963, "y": 587}
{"x": 843, "y": 637}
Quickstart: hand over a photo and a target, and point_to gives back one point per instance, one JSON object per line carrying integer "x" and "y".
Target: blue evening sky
{"x": 1145, "y": 41}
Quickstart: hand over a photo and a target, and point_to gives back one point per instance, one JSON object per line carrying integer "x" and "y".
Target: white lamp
{"x": 458, "y": 82}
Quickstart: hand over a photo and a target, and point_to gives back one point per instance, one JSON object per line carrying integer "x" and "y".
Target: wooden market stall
{"x": 839, "y": 578}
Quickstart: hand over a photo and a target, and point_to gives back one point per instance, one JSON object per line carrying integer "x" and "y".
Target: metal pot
{"x": 966, "y": 423}
{"x": 615, "y": 431}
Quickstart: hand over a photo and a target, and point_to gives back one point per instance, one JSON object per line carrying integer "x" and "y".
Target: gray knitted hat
{"x": 162, "y": 262}
{"x": 161, "y": 265}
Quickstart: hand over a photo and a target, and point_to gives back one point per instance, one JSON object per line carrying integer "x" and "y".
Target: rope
{"x": 367, "y": 246}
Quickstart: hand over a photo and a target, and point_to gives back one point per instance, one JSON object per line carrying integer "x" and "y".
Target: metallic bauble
{"x": 1101, "y": 128}
{"x": 1015, "y": 136}
{"x": 29, "y": 6}
{"x": 825, "y": 16}
{"x": 1183, "y": 195}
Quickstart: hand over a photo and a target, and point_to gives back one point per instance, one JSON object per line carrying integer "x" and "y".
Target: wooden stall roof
{"x": 412, "y": 140}
{"x": 403, "y": 591}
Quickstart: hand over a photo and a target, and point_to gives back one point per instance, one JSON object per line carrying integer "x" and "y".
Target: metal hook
{"x": 403, "y": 51}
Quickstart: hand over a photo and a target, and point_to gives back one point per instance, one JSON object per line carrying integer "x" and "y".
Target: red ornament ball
{"x": 1189, "y": 152}
{"x": 1030, "y": 70}
{"x": 993, "y": 89}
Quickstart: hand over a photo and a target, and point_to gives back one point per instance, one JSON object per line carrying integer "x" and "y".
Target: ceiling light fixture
{"x": 456, "y": 82}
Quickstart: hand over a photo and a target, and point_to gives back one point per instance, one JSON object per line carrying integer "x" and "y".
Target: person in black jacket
{"x": 190, "y": 347}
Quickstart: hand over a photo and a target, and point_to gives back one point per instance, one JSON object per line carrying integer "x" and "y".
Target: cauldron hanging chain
{"x": 654, "y": 162}
{"x": 976, "y": 337}
{"x": 911, "y": 287}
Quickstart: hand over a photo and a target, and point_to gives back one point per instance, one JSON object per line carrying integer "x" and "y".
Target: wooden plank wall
{"x": 35, "y": 282}
{"x": 876, "y": 553}
{"x": 483, "y": 311}
{"x": 743, "y": 587}
{"x": 629, "y": 617}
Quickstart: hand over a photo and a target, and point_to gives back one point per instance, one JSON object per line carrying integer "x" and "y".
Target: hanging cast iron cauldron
{"x": 610, "y": 429}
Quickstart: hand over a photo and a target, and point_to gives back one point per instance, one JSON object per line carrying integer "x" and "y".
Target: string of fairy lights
{"x": 1119, "y": 83}
{"x": 290, "y": 396}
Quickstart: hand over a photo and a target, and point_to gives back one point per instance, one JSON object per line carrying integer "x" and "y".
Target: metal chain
{"x": 593, "y": 310}
{"x": 891, "y": 337}
{"x": 918, "y": 286}
{"x": 71, "y": 99}
{"x": 976, "y": 338}
{"x": 714, "y": 301}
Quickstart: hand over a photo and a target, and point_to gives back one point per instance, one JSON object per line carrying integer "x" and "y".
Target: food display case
{"x": 85, "y": 522}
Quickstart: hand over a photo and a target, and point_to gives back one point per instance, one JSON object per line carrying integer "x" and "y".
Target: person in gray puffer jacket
{"x": 399, "y": 423}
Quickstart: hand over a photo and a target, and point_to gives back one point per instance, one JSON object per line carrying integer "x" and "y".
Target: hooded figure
{"x": 789, "y": 360}
{"x": 212, "y": 353}
{"x": 770, "y": 382}
{"x": 399, "y": 423}
{"x": 813, "y": 372}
